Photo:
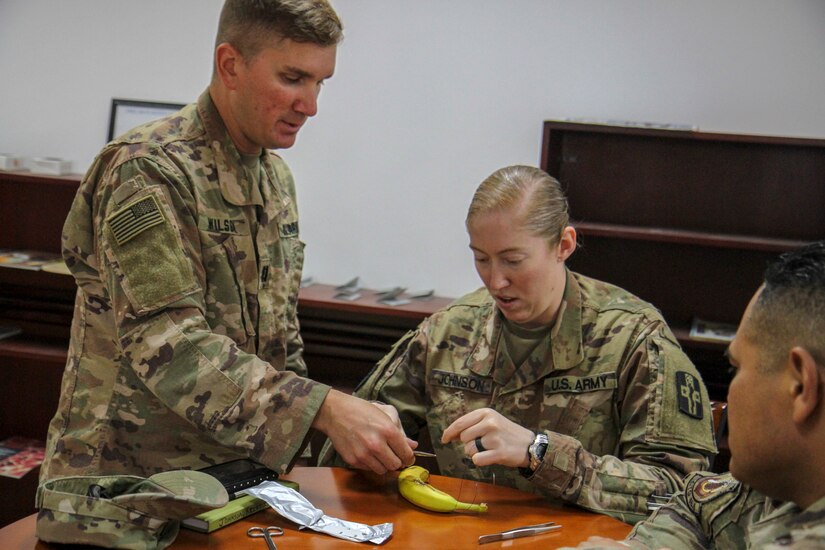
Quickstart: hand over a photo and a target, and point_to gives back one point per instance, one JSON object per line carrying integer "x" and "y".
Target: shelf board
{"x": 681, "y": 236}
{"x": 322, "y": 297}
{"x": 683, "y": 336}
{"x": 43, "y": 350}
{"x": 28, "y": 178}
{"x": 37, "y": 278}
{"x": 659, "y": 132}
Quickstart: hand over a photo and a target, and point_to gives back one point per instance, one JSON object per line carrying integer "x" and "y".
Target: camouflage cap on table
{"x": 124, "y": 511}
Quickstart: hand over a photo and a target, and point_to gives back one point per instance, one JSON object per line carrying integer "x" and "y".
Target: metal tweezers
{"x": 518, "y": 532}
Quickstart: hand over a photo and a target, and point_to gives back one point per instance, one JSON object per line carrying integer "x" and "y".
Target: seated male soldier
{"x": 774, "y": 495}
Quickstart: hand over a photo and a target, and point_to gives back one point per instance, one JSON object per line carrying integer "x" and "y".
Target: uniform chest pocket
{"x": 230, "y": 272}
{"x": 581, "y": 407}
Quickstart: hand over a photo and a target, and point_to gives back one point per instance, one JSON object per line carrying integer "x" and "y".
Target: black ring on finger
{"x": 479, "y": 446}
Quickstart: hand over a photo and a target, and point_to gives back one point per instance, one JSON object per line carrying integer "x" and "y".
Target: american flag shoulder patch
{"x": 134, "y": 219}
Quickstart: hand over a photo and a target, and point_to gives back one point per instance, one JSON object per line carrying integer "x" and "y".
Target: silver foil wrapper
{"x": 295, "y": 507}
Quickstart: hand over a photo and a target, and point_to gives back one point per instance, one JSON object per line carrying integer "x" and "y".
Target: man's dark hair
{"x": 790, "y": 309}
{"x": 250, "y": 24}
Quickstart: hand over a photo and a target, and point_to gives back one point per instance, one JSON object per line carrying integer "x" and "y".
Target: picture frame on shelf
{"x": 125, "y": 114}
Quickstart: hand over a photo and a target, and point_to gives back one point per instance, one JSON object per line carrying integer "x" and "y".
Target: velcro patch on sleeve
{"x": 135, "y": 218}
{"x": 146, "y": 253}
{"x": 680, "y": 417}
{"x": 689, "y": 395}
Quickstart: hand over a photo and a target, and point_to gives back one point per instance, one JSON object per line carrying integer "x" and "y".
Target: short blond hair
{"x": 538, "y": 195}
{"x": 250, "y": 24}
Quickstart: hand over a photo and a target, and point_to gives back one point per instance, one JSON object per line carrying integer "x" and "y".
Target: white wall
{"x": 430, "y": 96}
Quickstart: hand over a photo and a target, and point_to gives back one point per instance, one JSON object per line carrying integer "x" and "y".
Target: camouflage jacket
{"x": 184, "y": 346}
{"x": 625, "y": 411}
{"x": 718, "y": 512}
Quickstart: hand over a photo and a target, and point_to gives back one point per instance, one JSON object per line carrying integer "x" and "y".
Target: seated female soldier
{"x": 547, "y": 380}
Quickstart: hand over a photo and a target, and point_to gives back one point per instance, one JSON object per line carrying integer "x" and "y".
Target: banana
{"x": 413, "y": 486}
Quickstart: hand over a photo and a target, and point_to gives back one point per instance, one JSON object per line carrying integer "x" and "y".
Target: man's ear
{"x": 806, "y": 390}
{"x": 228, "y": 61}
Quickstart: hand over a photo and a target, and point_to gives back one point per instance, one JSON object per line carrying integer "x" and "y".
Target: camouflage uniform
{"x": 184, "y": 348}
{"x": 716, "y": 511}
{"x": 625, "y": 411}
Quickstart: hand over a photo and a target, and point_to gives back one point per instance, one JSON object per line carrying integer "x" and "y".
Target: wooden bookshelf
{"x": 687, "y": 220}
{"x": 33, "y": 208}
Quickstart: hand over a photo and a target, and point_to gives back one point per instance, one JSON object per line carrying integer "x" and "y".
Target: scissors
{"x": 266, "y": 533}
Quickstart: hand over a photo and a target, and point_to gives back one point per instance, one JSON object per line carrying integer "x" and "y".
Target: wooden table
{"x": 367, "y": 498}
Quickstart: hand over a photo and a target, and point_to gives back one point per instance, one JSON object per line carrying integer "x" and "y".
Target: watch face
{"x": 534, "y": 457}
{"x": 537, "y": 450}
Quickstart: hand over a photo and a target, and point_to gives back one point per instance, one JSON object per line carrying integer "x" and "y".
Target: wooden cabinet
{"x": 344, "y": 340}
{"x": 686, "y": 220}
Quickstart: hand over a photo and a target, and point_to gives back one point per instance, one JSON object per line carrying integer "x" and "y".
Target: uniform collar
{"x": 235, "y": 188}
{"x": 786, "y": 523}
{"x": 566, "y": 335}
{"x": 801, "y": 518}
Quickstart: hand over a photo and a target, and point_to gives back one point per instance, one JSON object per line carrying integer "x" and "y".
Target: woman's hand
{"x": 503, "y": 441}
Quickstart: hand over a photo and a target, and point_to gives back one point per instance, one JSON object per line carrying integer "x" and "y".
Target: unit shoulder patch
{"x": 689, "y": 395}
{"x": 710, "y": 488}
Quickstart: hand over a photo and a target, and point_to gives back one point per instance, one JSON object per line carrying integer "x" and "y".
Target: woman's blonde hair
{"x": 536, "y": 195}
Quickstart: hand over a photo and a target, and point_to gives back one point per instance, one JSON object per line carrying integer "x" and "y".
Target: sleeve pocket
{"x": 685, "y": 416}
{"x": 143, "y": 243}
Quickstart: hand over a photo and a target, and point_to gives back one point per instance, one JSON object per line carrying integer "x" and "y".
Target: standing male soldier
{"x": 183, "y": 240}
{"x": 774, "y": 495}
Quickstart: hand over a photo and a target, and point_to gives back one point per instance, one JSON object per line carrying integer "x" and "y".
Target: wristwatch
{"x": 535, "y": 453}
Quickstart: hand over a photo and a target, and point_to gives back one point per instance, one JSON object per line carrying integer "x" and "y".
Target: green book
{"x": 237, "y": 509}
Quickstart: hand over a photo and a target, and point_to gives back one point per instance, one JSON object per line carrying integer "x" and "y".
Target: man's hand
{"x": 390, "y": 411}
{"x": 366, "y": 435}
{"x": 504, "y": 442}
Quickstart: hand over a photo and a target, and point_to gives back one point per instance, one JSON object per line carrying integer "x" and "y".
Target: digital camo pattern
{"x": 605, "y": 389}
{"x": 184, "y": 347}
{"x": 718, "y": 512}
